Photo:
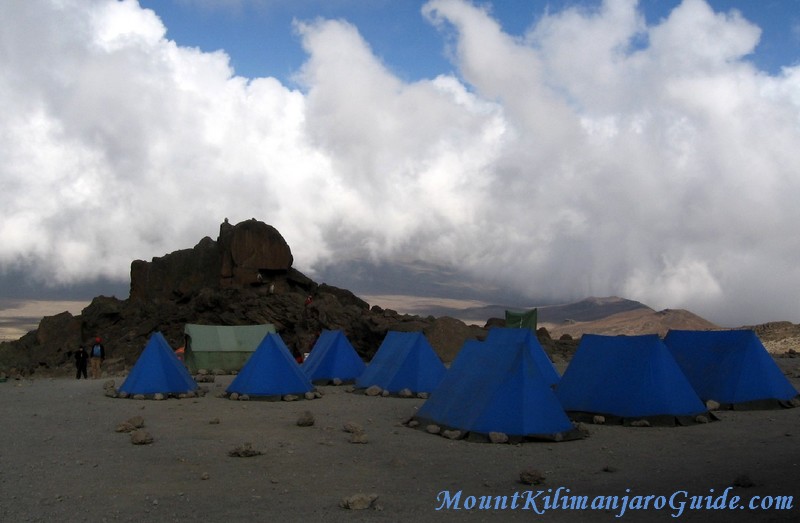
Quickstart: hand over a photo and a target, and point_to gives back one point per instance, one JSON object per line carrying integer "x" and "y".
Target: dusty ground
{"x": 61, "y": 460}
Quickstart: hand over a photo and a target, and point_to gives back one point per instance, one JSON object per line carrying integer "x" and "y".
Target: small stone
{"x": 109, "y": 384}
{"x": 358, "y": 501}
{"x": 245, "y": 450}
{"x": 306, "y": 419}
{"x": 317, "y": 394}
{"x": 244, "y": 397}
{"x": 202, "y": 372}
{"x": 712, "y": 405}
{"x": 451, "y": 434}
{"x": 358, "y": 437}
{"x": 744, "y": 481}
{"x": 158, "y": 396}
{"x": 385, "y": 393}
{"x": 309, "y": 395}
{"x": 290, "y": 397}
{"x": 138, "y": 396}
{"x": 701, "y": 419}
{"x": 413, "y": 423}
{"x": 498, "y": 437}
{"x": 136, "y": 421}
{"x": 234, "y": 396}
{"x": 204, "y": 476}
{"x": 422, "y": 395}
{"x": 531, "y": 477}
{"x": 352, "y": 427}
{"x": 640, "y": 423}
{"x": 599, "y": 420}
{"x": 337, "y": 381}
{"x": 433, "y": 429}
{"x": 213, "y": 421}
{"x": 141, "y": 437}
{"x": 406, "y": 393}
{"x": 125, "y": 427}
{"x": 373, "y": 391}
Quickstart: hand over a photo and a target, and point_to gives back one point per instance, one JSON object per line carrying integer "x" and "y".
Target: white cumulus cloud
{"x": 594, "y": 155}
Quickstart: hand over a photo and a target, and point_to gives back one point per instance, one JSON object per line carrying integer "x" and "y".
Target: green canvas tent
{"x": 222, "y": 346}
{"x": 522, "y": 320}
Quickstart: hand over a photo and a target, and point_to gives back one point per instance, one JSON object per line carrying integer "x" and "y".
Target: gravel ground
{"x": 62, "y": 460}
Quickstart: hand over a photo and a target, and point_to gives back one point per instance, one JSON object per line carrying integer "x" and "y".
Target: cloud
{"x": 595, "y": 155}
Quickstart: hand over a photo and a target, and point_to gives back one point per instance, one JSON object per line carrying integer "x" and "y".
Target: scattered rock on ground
{"x": 358, "y": 437}
{"x": 744, "y": 481}
{"x": 136, "y": 421}
{"x": 352, "y": 427}
{"x": 358, "y": 501}
{"x": 306, "y": 419}
{"x": 125, "y": 427}
{"x": 374, "y": 390}
{"x": 531, "y": 477}
{"x": 498, "y": 437}
{"x": 244, "y": 450}
{"x": 141, "y": 437}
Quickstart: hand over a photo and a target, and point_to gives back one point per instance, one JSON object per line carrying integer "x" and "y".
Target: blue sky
{"x": 545, "y": 150}
{"x": 258, "y": 35}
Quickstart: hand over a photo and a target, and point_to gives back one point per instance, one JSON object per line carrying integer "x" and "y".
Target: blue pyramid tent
{"x": 270, "y": 371}
{"x": 405, "y": 360}
{"x": 627, "y": 377}
{"x": 496, "y": 387}
{"x": 333, "y": 357}
{"x": 506, "y": 335}
{"x": 158, "y": 370}
{"x": 730, "y": 367}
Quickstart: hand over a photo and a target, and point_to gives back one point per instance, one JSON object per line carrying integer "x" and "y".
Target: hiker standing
{"x": 81, "y": 357}
{"x": 98, "y": 354}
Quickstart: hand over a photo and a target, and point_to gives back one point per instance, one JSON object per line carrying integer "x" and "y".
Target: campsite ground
{"x": 61, "y": 460}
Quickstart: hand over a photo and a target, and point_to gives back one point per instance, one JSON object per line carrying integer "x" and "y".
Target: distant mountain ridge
{"x": 610, "y": 315}
{"x": 588, "y": 309}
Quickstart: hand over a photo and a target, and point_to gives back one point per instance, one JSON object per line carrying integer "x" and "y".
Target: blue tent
{"x": 628, "y": 377}
{"x": 496, "y": 387}
{"x": 505, "y": 335}
{"x": 270, "y": 371}
{"x": 405, "y": 360}
{"x": 158, "y": 370}
{"x": 730, "y": 367}
{"x": 333, "y": 357}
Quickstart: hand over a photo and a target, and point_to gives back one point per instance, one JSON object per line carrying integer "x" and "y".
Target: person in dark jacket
{"x": 81, "y": 358}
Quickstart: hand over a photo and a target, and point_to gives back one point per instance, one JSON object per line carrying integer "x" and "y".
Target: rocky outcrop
{"x": 176, "y": 274}
{"x": 245, "y": 277}
{"x": 248, "y": 253}
{"x": 251, "y": 252}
